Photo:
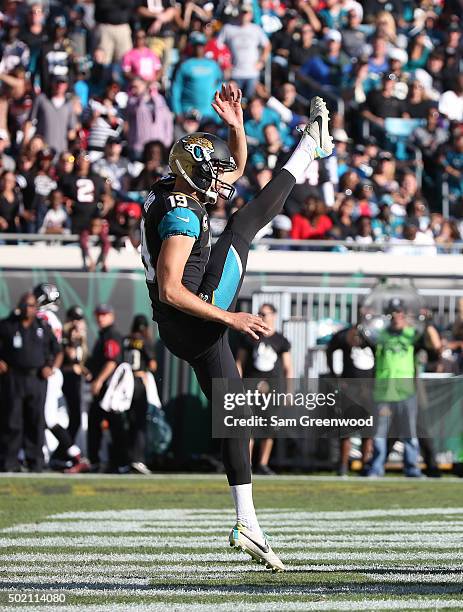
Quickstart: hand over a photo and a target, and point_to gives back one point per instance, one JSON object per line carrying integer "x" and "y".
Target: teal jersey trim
{"x": 229, "y": 281}
{"x": 179, "y": 221}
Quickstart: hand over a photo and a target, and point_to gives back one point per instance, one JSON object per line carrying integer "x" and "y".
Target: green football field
{"x": 160, "y": 543}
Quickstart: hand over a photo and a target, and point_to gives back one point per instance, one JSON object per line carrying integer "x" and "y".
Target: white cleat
{"x": 317, "y": 128}
{"x": 255, "y": 545}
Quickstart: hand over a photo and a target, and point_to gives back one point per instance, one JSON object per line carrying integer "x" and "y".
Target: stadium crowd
{"x": 93, "y": 95}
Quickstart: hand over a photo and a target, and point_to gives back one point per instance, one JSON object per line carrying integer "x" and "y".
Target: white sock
{"x": 244, "y": 506}
{"x": 303, "y": 155}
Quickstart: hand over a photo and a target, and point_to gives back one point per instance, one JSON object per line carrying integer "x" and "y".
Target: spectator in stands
{"x": 53, "y": 116}
{"x": 148, "y": 118}
{"x": 84, "y": 191}
{"x": 451, "y": 101}
{"x": 103, "y": 360}
{"x": 55, "y": 58}
{"x": 15, "y": 52}
{"x": 430, "y": 138}
{"x": 258, "y": 116}
{"x": 56, "y": 219}
{"x": 378, "y": 62}
{"x": 353, "y": 38}
{"x": 10, "y": 203}
{"x": 141, "y": 61}
{"x": 273, "y": 154}
{"x": 34, "y": 34}
{"x": 304, "y": 48}
{"x": 154, "y": 160}
{"x": 364, "y": 233}
{"x": 113, "y": 30}
{"x": 249, "y": 47}
{"x": 417, "y": 105}
{"x": 196, "y": 80}
{"x": 312, "y": 222}
{"x": 382, "y": 103}
{"x": 6, "y": 162}
{"x": 104, "y": 120}
{"x": 112, "y": 166}
{"x": 327, "y": 72}
{"x": 157, "y": 19}
{"x": 452, "y": 165}
{"x": 418, "y": 52}
{"x": 269, "y": 361}
{"x": 344, "y": 228}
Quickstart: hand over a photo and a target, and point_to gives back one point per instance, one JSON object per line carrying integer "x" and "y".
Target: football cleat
{"x": 255, "y": 545}
{"x": 317, "y": 128}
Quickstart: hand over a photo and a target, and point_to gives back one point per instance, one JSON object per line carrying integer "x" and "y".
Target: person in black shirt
{"x": 417, "y": 106}
{"x": 302, "y": 47}
{"x": 267, "y": 359}
{"x": 28, "y": 350}
{"x": 138, "y": 351}
{"x": 10, "y": 201}
{"x": 74, "y": 356}
{"x": 357, "y": 362}
{"x": 104, "y": 359}
{"x": 382, "y": 103}
{"x": 85, "y": 190}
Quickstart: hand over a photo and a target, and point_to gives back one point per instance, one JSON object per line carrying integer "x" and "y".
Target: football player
{"x": 194, "y": 288}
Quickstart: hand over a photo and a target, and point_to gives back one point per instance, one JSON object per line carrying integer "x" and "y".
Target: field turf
{"x": 159, "y": 543}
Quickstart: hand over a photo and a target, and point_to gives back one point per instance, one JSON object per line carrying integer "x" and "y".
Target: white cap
{"x": 398, "y": 54}
{"x": 282, "y": 222}
{"x": 353, "y": 5}
{"x": 333, "y": 35}
{"x": 340, "y": 135}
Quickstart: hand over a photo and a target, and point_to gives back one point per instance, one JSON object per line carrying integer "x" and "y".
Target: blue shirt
{"x": 194, "y": 86}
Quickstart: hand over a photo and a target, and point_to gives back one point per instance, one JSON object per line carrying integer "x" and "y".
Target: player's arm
{"x": 173, "y": 256}
{"x": 227, "y": 104}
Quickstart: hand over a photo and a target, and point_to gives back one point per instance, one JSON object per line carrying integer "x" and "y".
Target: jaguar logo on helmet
{"x": 199, "y": 147}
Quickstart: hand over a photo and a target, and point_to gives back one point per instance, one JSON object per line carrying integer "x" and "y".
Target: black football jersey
{"x": 169, "y": 213}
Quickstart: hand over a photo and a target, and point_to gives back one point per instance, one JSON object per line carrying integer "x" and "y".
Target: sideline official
{"x": 105, "y": 357}
{"x": 28, "y": 350}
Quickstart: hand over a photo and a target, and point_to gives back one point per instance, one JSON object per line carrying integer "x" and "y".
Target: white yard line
{"x": 264, "y": 513}
{"x": 177, "y": 557}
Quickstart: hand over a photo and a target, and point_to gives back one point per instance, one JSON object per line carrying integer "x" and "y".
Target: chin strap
{"x": 210, "y": 196}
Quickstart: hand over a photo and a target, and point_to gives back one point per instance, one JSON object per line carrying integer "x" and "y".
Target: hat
{"x": 197, "y": 38}
{"x": 74, "y": 313}
{"x": 282, "y": 222}
{"x": 398, "y": 54}
{"x": 103, "y": 309}
{"x": 139, "y": 321}
{"x": 371, "y": 141}
{"x": 358, "y": 150}
{"x": 46, "y": 153}
{"x": 385, "y": 155}
{"x": 113, "y": 140}
{"x": 192, "y": 115}
{"x": 60, "y": 78}
{"x": 59, "y": 21}
{"x": 333, "y": 35}
{"x": 246, "y": 7}
{"x": 395, "y": 304}
{"x": 340, "y": 135}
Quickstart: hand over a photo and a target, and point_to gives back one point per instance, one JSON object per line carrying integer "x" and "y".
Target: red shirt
{"x": 302, "y": 228}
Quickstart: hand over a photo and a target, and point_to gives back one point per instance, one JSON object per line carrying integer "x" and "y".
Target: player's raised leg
{"x": 227, "y": 264}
